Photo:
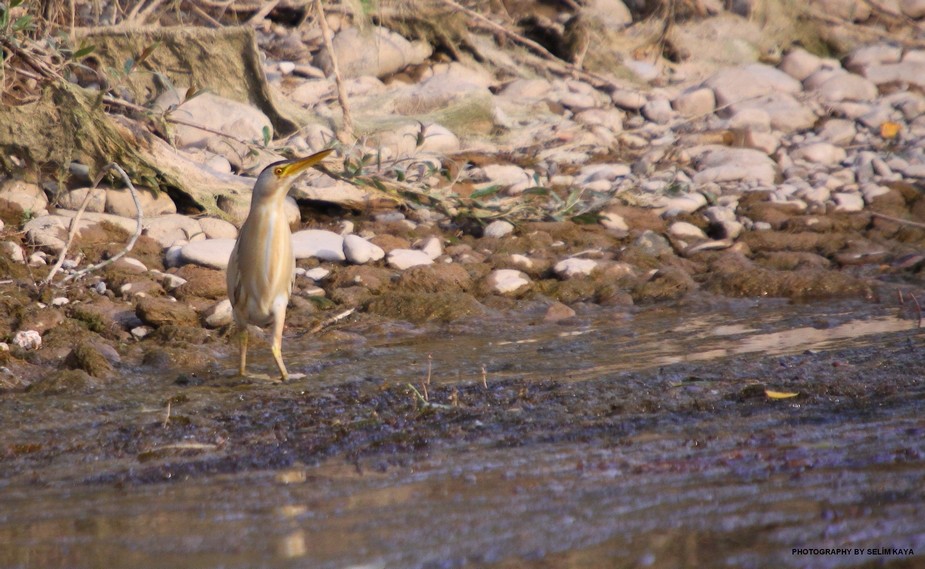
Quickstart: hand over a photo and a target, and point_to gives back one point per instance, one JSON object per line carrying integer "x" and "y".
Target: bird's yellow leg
{"x": 242, "y": 339}
{"x": 277, "y": 347}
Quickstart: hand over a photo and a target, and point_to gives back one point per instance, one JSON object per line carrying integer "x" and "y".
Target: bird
{"x": 262, "y": 265}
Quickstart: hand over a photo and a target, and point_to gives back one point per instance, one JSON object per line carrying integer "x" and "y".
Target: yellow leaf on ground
{"x": 890, "y": 130}
{"x": 779, "y": 394}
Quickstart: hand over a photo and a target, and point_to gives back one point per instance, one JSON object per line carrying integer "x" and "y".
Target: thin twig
{"x": 918, "y": 309}
{"x": 262, "y": 13}
{"x": 898, "y": 220}
{"x": 131, "y": 243}
{"x": 336, "y": 318}
{"x": 484, "y": 377}
{"x": 167, "y": 415}
{"x": 426, "y": 383}
{"x": 347, "y": 132}
{"x": 424, "y": 402}
{"x": 72, "y": 231}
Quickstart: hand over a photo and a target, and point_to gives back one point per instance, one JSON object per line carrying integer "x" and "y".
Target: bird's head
{"x": 279, "y": 176}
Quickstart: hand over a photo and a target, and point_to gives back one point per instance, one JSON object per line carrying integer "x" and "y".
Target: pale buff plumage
{"x": 261, "y": 267}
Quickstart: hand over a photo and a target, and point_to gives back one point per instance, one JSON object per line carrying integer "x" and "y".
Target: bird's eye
{"x": 278, "y": 171}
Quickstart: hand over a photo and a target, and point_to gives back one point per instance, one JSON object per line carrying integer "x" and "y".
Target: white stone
{"x": 319, "y": 243}
{"x": 402, "y": 259}
{"x": 602, "y": 172}
{"x": 28, "y": 339}
{"x": 751, "y": 118}
{"x": 212, "y": 253}
{"x": 506, "y": 281}
{"x": 628, "y": 100}
{"x": 914, "y": 9}
{"x": 846, "y": 87}
{"x": 848, "y": 201}
{"x": 215, "y": 228}
{"x": 787, "y": 114}
{"x": 902, "y": 73}
{"x": 840, "y": 132}
{"x": 723, "y": 164}
{"x": 685, "y": 230}
{"x": 498, "y": 228}
{"x": 658, "y": 111}
{"x": 872, "y": 191}
{"x": 13, "y": 251}
{"x": 820, "y": 153}
{"x": 219, "y": 314}
{"x": 139, "y": 332}
{"x": 60, "y": 301}
{"x": 120, "y": 202}
{"x": 317, "y": 274}
{"x": 688, "y": 203}
{"x": 800, "y": 64}
{"x": 37, "y": 259}
{"x": 610, "y": 119}
{"x": 522, "y": 90}
{"x": 26, "y": 196}
{"x": 359, "y": 251}
{"x": 736, "y": 84}
{"x": 570, "y": 268}
{"x": 431, "y": 246}
{"x": 374, "y": 50}
{"x": 873, "y": 54}
{"x": 522, "y": 261}
{"x": 171, "y": 229}
{"x": 503, "y": 175}
{"x": 133, "y": 262}
{"x": 614, "y": 222}
{"x": 223, "y": 115}
{"x": 695, "y": 102}
{"x": 73, "y": 198}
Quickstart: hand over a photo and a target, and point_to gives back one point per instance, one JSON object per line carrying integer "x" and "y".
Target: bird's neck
{"x": 270, "y": 201}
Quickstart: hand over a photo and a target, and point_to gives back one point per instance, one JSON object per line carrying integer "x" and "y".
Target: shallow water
{"x": 733, "y": 481}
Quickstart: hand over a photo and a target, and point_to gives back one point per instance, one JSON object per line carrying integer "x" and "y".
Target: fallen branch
{"x": 329, "y": 321}
{"x": 338, "y": 80}
{"x": 898, "y": 220}
{"x": 75, "y": 224}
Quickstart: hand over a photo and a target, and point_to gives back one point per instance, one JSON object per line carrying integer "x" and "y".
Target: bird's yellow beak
{"x": 300, "y": 164}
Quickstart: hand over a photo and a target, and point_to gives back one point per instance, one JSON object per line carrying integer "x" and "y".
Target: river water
{"x": 709, "y": 475}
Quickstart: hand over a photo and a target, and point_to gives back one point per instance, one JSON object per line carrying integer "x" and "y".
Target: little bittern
{"x": 262, "y": 266}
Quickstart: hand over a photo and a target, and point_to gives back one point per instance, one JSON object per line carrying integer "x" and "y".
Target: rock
{"x": 800, "y": 64}
{"x": 658, "y": 111}
{"x": 844, "y": 86}
{"x": 522, "y": 261}
{"x": 613, "y": 221}
{"x": 13, "y": 251}
{"x": 914, "y": 9}
{"x": 515, "y": 178}
{"x": 325, "y": 189}
{"x": 848, "y": 202}
{"x": 28, "y": 339}
{"x": 413, "y": 138}
{"x": 360, "y": 251}
{"x": 839, "y": 132}
{"x": 60, "y": 301}
{"x": 610, "y": 119}
{"x": 24, "y": 196}
{"x": 688, "y": 203}
{"x": 873, "y": 54}
{"x": 120, "y": 202}
{"x": 685, "y": 230}
{"x": 506, "y": 281}
{"x": 317, "y": 274}
{"x": 902, "y": 73}
{"x": 695, "y": 102}
{"x": 558, "y": 311}
{"x": 849, "y": 10}
{"x": 722, "y": 164}
{"x": 131, "y": 265}
{"x": 219, "y": 314}
{"x": 73, "y": 199}
{"x": 215, "y": 228}
{"x": 571, "y": 268}
{"x": 520, "y": 91}
{"x": 212, "y": 253}
{"x": 173, "y": 228}
{"x": 402, "y": 259}
{"x": 786, "y": 113}
{"x": 139, "y": 332}
{"x": 820, "y": 153}
{"x": 159, "y": 312}
{"x": 628, "y": 100}
{"x": 607, "y": 172}
{"x": 431, "y": 246}
{"x": 737, "y": 84}
{"x": 374, "y": 51}
{"x": 223, "y": 115}
{"x": 498, "y": 228}
{"x": 318, "y": 243}
{"x": 652, "y": 244}
{"x": 169, "y": 281}
{"x": 200, "y": 283}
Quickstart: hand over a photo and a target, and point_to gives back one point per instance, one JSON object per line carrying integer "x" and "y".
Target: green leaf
{"x": 589, "y": 218}
{"x": 400, "y": 175}
{"x": 128, "y": 66}
{"x": 266, "y": 135}
{"x": 490, "y": 190}
{"x": 22, "y": 23}
{"x": 379, "y": 185}
{"x": 538, "y": 191}
{"x": 15, "y": 3}
{"x": 83, "y": 51}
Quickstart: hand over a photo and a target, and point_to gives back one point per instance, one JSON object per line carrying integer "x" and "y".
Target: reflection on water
{"x": 595, "y": 344}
